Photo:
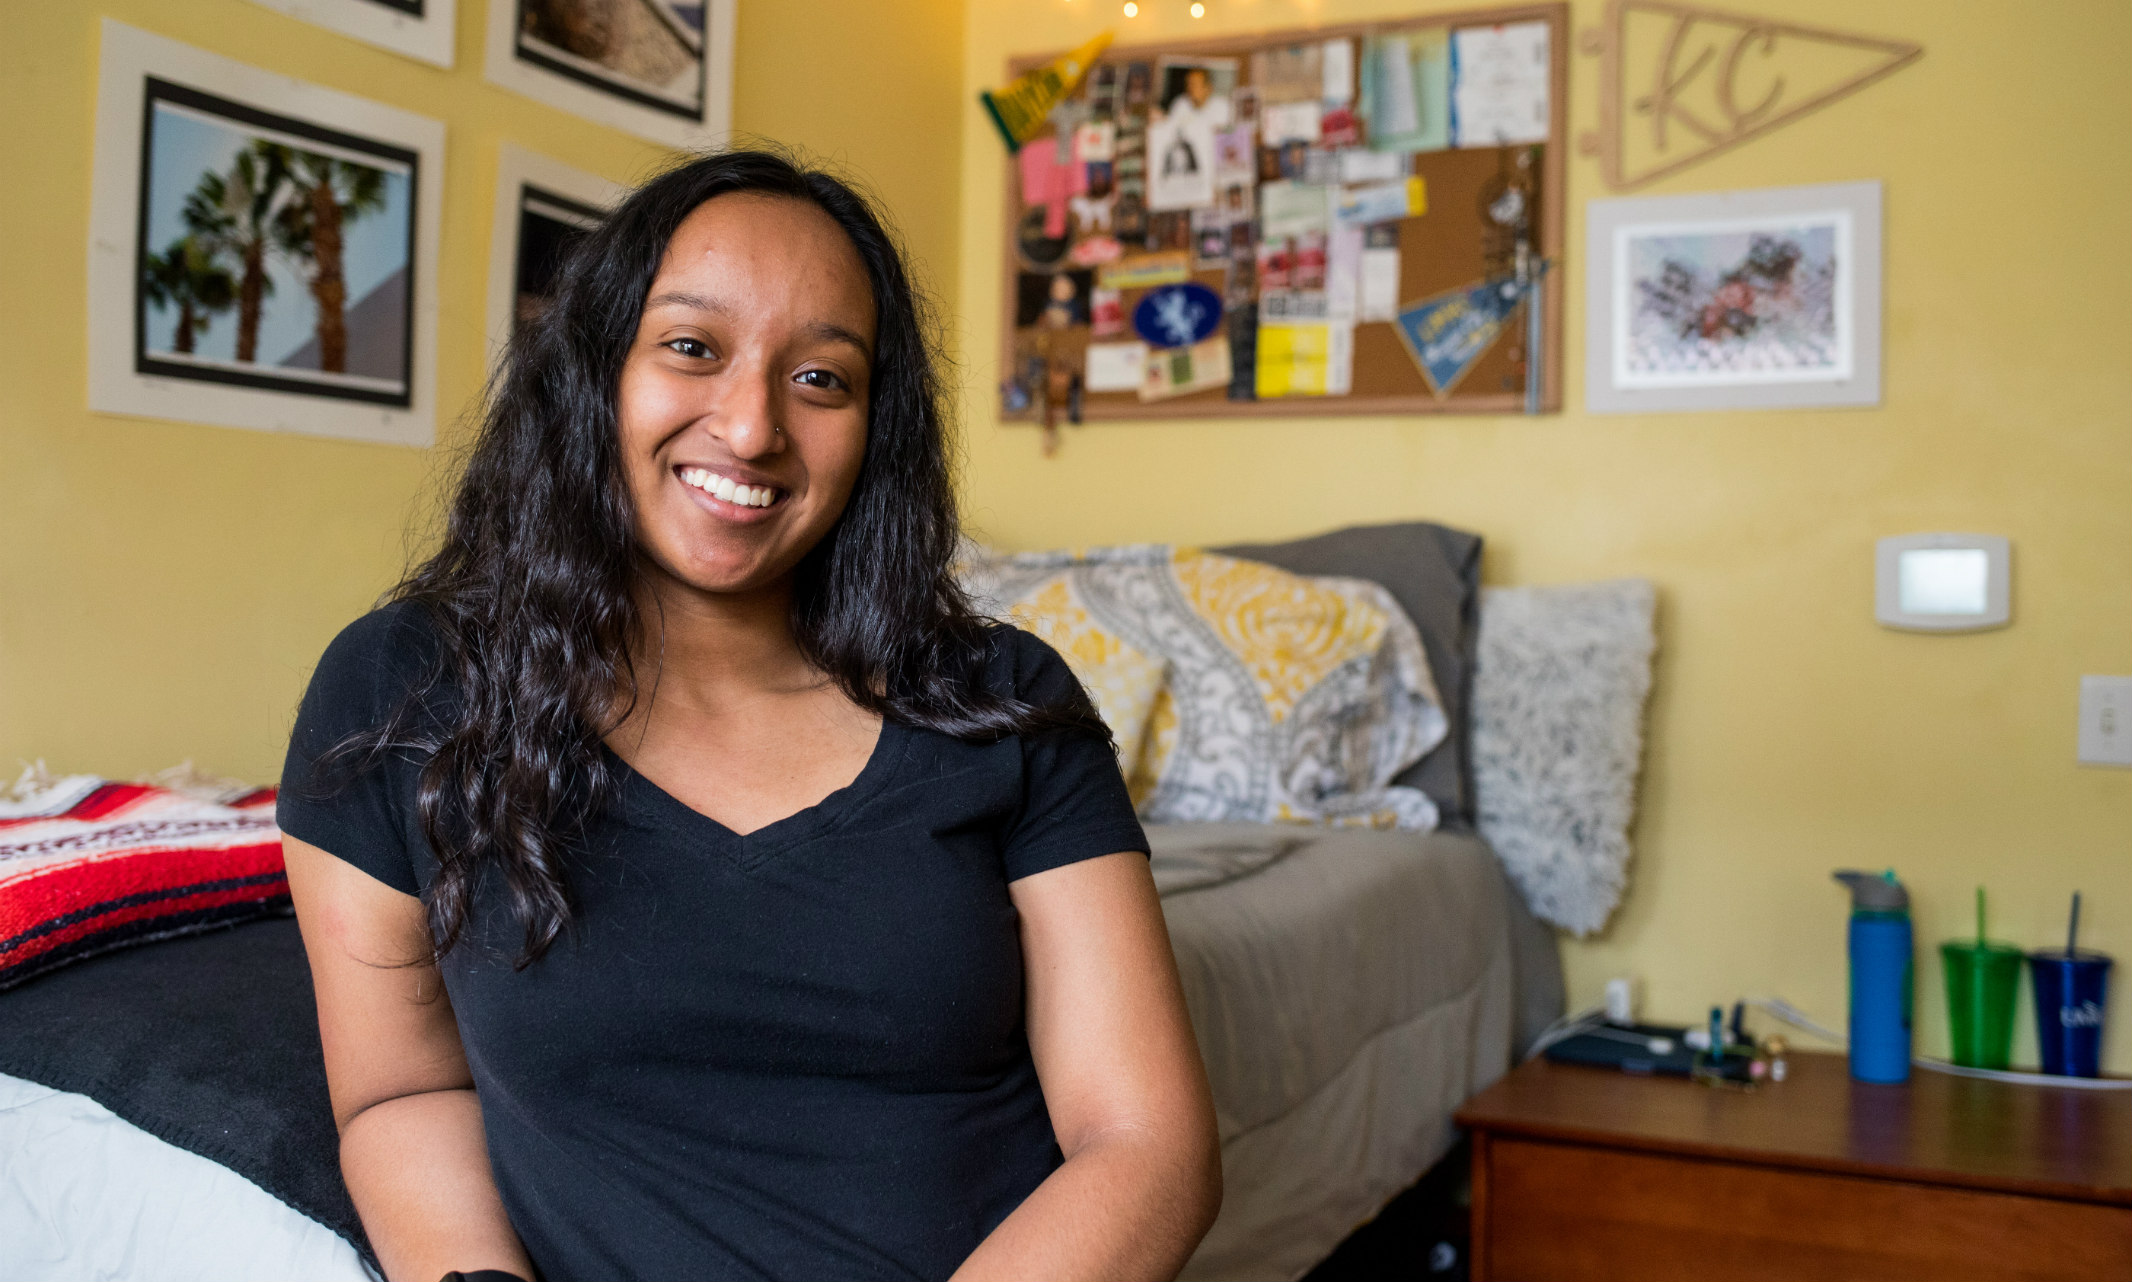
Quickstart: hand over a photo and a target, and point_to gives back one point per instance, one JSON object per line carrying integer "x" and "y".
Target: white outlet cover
{"x": 2106, "y": 721}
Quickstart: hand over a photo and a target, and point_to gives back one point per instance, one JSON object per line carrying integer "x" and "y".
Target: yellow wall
{"x": 166, "y": 587}
{"x": 1789, "y": 734}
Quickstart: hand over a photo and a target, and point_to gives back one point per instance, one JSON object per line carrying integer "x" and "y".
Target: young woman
{"x": 694, "y": 887}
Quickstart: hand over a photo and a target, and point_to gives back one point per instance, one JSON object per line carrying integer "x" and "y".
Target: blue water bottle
{"x": 1880, "y": 977}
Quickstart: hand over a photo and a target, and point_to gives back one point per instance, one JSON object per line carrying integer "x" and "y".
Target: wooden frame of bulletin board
{"x": 1478, "y": 242}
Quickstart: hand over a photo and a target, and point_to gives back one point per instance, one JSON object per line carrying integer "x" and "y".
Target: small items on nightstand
{"x": 1661, "y": 1050}
{"x": 1774, "y": 1052}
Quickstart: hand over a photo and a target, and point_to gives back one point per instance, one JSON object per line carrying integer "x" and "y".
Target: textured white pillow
{"x": 1558, "y": 699}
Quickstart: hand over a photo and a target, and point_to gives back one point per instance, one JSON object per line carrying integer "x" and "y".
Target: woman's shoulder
{"x": 396, "y": 636}
{"x": 380, "y": 657}
{"x": 1021, "y": 665}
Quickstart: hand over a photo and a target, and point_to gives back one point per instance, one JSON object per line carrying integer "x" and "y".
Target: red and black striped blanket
{"x": 88, "y": 865}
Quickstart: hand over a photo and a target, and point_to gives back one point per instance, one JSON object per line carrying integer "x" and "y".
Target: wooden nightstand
{"x": 1584, "y": 1173}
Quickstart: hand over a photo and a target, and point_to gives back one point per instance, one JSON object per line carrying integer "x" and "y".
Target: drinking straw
{"x": 2072, "y": 928}
{"x": 1980, "y": 916}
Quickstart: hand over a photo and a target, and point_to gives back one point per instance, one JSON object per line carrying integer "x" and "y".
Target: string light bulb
{"x": 1131, "y": 10}
{"x": 1198, "y": 10}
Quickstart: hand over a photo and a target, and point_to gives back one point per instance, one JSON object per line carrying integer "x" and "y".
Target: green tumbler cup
{"x": 1982, "y": 978}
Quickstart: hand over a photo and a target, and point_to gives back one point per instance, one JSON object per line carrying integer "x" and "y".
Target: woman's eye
{"x": 821, "y": 378}
{"x": 690, "y": 347}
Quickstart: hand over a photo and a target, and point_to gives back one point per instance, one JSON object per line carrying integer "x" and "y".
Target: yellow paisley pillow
{"x": 1281, "y": 698}
{"x": 1289, "y": 633}
{"x": 1123, "y": 681}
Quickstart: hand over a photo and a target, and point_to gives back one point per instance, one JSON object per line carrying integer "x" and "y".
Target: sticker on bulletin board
{"x": 1177, "y": 315}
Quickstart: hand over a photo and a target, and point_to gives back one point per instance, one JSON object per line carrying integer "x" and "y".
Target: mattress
{"x": 1350, "y": 989}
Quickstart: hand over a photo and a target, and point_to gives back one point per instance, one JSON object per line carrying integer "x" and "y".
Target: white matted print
{"x": 543, "y": 208}
{"x": 262, "y": 252}
{"x": 1735, "y": 300}
{"x": 662, "y": 69}
{"x": 420, "y": 29}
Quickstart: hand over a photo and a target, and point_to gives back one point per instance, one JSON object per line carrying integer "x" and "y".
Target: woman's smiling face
{"x": 743, "y": 401}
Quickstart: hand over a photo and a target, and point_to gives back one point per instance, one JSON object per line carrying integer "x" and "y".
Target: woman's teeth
{"x": 723, "y": 487}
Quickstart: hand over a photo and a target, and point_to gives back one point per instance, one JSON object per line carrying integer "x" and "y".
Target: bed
{"x": 1350, "y": 987}
{"x": 163, "y": 1111}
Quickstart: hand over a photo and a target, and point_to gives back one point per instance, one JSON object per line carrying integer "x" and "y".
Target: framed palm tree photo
{"x": 262, "y": 252}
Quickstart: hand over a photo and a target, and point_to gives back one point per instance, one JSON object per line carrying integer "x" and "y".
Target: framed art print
{"x": 262, "y": 252}
{"x": 662, "y": 69}
{"x": 1759, "y": 299}
{"x": 543, "y": 209}
{"x": 420, "y": 29}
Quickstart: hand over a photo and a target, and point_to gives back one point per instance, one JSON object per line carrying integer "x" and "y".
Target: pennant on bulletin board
{"x": 1447, "y": 333}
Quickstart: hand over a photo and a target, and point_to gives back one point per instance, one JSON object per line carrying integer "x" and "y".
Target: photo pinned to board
{"x": 1749, "y": 299}
{"x": 420, "y": 29}
{"x": 1199, "y": 91}
{"x": 661, "y": 69}
{"x": 269, "y": 247}
{"x": 1055, "y": 301}
{"x": 1192, "y": 106}
{"x": 544, "y": 209}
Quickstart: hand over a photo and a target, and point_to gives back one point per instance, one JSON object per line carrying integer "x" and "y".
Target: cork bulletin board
{"x": 1354, "y": 219}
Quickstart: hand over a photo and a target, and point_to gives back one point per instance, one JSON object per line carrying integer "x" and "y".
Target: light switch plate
{"x": 2106, "y": 721}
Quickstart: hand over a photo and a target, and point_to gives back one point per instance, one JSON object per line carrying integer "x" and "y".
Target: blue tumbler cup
{"x": 2071, "y": 991}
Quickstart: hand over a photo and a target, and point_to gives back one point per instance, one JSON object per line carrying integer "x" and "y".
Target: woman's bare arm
{"x": 412, "y": 1148}
{"x": 1123, "y": 1081}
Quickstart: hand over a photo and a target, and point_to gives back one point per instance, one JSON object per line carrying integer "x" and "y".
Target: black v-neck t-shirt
{"x": 798, "y": 1053}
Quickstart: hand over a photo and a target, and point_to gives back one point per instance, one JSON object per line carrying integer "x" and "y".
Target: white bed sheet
{"x": 86, "y": 1196}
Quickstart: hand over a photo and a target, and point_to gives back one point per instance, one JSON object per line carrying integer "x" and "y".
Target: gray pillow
{"x": 1434, "y": 572}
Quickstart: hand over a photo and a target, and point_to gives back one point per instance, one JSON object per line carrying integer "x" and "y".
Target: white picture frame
{"x": 1760, "y": 299}
{"x": 166, "y": 113}
{"x": 527, "y": 181}
{"x": 419, "y": 29}
{"x": 526, "y": 53}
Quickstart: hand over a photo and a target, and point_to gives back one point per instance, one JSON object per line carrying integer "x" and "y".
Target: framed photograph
{"x": 1761, "y": 299}
{"x": 543, "y": 208}
{"x": 420, "y": 29}
{"x": 262, "y": 252}
{"x": 662, "y": 69}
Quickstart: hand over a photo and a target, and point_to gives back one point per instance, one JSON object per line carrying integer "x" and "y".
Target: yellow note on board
{"x": 1271, "y": 374}
{"x": 1417, "y": 197}
{"x": 1294, "y": 360}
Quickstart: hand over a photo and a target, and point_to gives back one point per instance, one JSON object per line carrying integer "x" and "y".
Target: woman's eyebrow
{"x": 830, "y": 332}
{"x": 696, "y": 302}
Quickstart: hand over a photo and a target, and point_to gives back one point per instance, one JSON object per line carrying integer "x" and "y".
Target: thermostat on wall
{"x": 1942, "y": 582}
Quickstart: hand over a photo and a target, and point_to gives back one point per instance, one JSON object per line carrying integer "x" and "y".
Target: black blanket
{"x": 208, "y": 1042}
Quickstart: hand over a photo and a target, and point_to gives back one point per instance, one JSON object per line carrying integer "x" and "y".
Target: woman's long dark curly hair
{"x": 531, "y": 595}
